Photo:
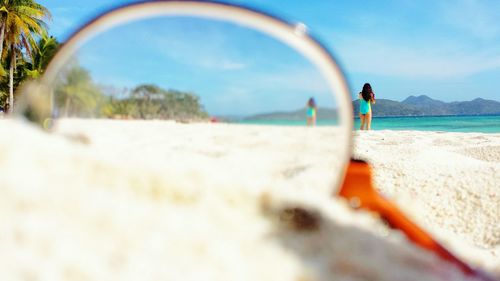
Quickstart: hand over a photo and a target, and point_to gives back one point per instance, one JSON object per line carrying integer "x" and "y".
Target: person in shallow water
{"x": 311, "y": 112}
{"x": 366, "y": 99}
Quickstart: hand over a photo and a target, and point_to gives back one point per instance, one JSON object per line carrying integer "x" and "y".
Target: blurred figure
{"x": 311, "y": 112}
{"x": 366, "y": 99}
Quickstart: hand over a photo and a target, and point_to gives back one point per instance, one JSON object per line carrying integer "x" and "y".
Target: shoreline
{"x": 464, "y": 115}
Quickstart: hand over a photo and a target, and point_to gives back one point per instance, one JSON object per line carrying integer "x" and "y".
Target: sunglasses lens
{"x": 202, "y": 96}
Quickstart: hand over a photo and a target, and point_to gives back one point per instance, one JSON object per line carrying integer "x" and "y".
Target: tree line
{"x": 77, "y": 95}
{"x": 25, "y": 51}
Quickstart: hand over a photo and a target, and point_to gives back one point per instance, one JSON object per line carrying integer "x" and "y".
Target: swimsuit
{"x": 311, "y": 111}
{"x": 364, "y": 106}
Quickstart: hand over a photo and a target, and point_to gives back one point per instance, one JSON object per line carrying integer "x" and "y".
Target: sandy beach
{"x": 449, "y": 183}
{"x": 159, "y": 200}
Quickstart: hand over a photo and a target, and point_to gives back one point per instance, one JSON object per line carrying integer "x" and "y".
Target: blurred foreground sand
{"x": 153, "y": 200}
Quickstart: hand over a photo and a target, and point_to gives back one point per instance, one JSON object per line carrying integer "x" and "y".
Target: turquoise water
{"x": 328, "y": 122}
{"x": 480, "y": 124}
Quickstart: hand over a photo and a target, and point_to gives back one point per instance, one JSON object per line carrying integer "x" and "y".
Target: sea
{"x": 476, "y": 123}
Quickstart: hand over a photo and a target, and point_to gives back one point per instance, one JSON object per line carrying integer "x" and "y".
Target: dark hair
{"x": 311, "y": 102}
{"x": 367, "y": 92}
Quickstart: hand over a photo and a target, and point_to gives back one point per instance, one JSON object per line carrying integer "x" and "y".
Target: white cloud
{"x": 455, "y": 39}
{"x": 261, "y": 92}
{"x": 231, "y": 65}
{"x": 422, "y": 58}
{"x": 67, "y": 19}
{"x": 212, "y": 53}
{"x": 479, "y": 18}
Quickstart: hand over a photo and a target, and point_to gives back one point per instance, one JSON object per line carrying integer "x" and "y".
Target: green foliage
{"x": 21, "y": 23}
{"x": 120, "y": 108}
{"x": 47, "y": 47}
{"x": 45, "y": 50}
{"x": 4, "y": 90}
{"x": 76, "y": 95}
{"x": 152, "y": 102}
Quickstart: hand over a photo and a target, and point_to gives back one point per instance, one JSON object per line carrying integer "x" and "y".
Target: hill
{"x": 385, "y": 107}
{"x": 412, "y": 106}
{"x": 424, "y": 106}
{"x": 323, "y": 113}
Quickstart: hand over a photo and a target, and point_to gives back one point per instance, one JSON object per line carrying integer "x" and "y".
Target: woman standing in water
{"x": 366, "y": 99}
{"x": 311, "y": 112}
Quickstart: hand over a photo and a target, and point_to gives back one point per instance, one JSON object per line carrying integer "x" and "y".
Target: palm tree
{"x": 20, "y": 22}
{"x": 76, "y": 94}
{"x": 46, "y": 48}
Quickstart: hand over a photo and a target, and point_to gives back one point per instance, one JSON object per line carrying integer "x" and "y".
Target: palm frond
{"x": 3, "y": 72}
{"x": 31, "y": 12}
{"x": 27, "y": 46}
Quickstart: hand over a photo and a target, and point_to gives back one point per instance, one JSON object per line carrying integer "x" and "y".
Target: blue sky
{"x": 234, "y": 69}
{"x": 449, "y": 50}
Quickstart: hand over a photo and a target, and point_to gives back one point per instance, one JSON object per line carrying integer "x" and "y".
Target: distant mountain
{"x": 411, "y": 106}
{"x": 426, "y": 105}
{"x": 423, "y": 105}
{"x": 422, "y": 100}
{"x": 472, "y": 107}
{"x": 384, "y": 107}
{"x": 323, "y": 113}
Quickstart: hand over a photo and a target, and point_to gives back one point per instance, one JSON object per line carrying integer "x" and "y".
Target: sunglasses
{"x": 246, "y": 66}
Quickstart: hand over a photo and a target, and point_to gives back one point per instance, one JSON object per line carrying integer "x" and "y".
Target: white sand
{"x": 448, "y": 182}
{"x": 132, "y": 200}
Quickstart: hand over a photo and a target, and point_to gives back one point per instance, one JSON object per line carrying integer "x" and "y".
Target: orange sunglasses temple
{"x": 359, "y": 190}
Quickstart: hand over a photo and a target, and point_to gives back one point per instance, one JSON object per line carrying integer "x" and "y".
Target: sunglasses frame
{"x": 294, "y": 35}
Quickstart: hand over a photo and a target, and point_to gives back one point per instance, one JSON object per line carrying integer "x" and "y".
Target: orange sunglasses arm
{"x": 359, "y": 190}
